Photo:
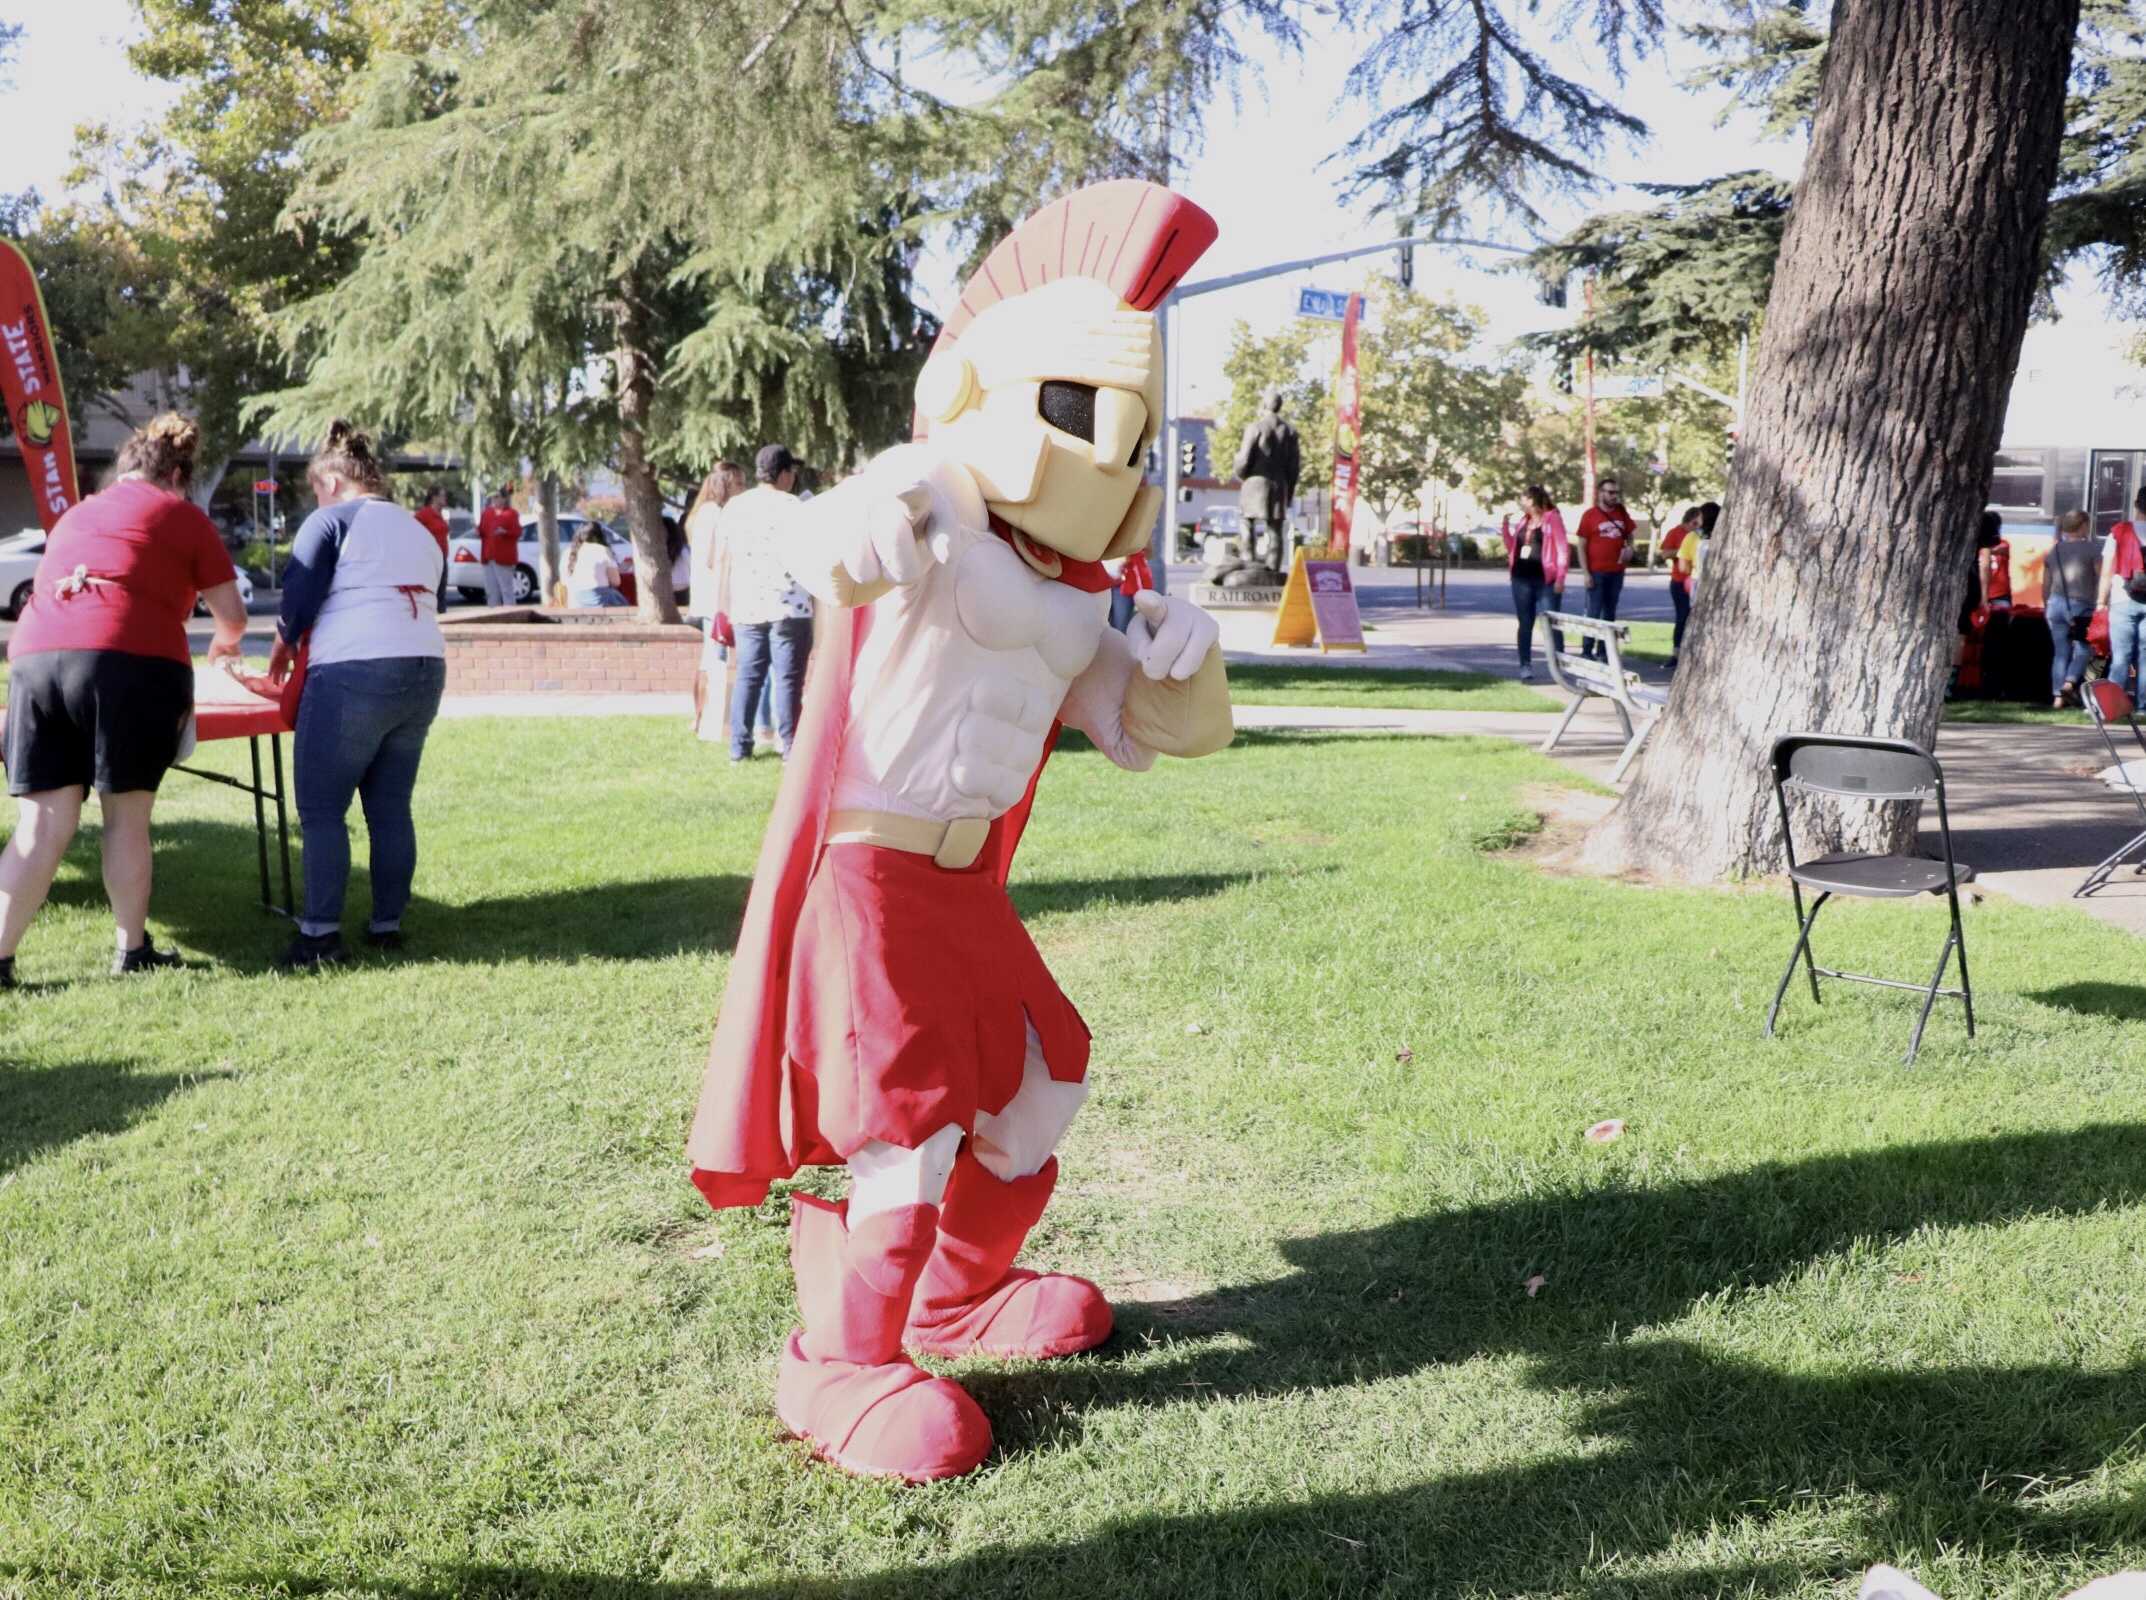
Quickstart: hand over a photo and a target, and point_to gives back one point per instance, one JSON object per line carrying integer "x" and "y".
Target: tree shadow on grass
{"x": 2126, "y": 1002}
{"x": 1057, "y": 896}
{"x": 42, "y": 1107}
{"x": 1699, "y": 1472}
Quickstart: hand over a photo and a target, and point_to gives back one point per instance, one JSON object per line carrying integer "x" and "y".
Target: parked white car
{"x": 19, "y": 555}
{"x": 465, "y": 566}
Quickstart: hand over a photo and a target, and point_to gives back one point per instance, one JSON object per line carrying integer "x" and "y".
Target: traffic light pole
{"x": 1165, "y": 536}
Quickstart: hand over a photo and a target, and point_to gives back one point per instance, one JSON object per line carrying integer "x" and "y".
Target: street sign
{"x": 1628, "y": 388}
{"x": 1328, "y": 305}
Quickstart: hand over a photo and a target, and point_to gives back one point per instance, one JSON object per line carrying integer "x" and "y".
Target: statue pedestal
{"x": 1227, "y": 597}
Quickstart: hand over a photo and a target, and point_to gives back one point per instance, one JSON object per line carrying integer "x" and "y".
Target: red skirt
{"x": 910, "y": 989}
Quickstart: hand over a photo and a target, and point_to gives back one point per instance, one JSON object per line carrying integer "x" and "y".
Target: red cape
{"x": 746, "y": 1132}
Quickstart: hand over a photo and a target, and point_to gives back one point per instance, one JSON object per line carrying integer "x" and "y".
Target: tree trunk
{"x": 1829, "y": 599}
{"x": 636, "y": 378}
{"x": 547, "y": 536}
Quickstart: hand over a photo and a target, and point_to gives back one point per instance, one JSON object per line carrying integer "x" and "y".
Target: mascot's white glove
{"x": 1170, "y": 637}
{"x": 890, "y": 545}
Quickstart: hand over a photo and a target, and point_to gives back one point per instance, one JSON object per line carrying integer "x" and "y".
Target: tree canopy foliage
{"x": 1689, "y": 274}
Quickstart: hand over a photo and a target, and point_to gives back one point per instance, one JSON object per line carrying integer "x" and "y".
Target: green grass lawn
{"x": 388, "y": 1282}
{"x": 1383, "y": 688}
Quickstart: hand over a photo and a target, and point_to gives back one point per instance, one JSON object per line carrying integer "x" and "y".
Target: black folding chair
{"x": 2108, "y": 704}
{"x": 1849, "y": 768}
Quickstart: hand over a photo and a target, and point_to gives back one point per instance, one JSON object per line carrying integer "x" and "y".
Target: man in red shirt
{"x": 433, "y": 515}
{"x": 499, "y": 537}
{"x": 1606, "y": 543}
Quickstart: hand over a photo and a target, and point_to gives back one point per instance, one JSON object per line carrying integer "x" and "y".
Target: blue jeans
{"x": 1530, "y": 596}
{"x": 1602, "y": 597}
{"x": 604, "y": 596}
{"x": 1680, "y": 600}
{"x": 2068, "y": 656}
{"x": 769, "y": 652}
{"x": 2127, "y": 624}
{"x": 361, "y": 731}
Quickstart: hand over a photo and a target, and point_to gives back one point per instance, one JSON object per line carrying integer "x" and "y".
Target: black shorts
{"x": 103, "y": 719}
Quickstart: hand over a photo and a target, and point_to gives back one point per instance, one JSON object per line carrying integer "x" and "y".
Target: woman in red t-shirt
{"x": 102, "y": 680}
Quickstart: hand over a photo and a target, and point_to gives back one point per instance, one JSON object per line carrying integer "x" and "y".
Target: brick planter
{"x": 536, "y": 650}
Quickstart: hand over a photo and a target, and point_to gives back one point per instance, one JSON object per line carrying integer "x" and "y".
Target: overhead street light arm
{"x": 1190, "y": 291}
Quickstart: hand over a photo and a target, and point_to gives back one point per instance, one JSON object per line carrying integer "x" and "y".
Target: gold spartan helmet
{"x": 39, "y": 420}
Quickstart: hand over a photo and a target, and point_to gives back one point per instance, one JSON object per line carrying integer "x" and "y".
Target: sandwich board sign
{"x": 1319, "y": 607}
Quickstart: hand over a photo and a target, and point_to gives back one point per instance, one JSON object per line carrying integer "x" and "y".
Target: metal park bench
{"x": 1637, "y": 704}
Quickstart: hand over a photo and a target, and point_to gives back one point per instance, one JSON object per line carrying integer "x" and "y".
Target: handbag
{"x": 2097, "y": 632}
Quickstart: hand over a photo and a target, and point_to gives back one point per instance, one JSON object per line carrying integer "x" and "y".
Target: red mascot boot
{"x": 845, "y": 1386}
{"x": 973, "y": 1300}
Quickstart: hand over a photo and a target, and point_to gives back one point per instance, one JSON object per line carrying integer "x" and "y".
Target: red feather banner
{"x": 30, "y": 387}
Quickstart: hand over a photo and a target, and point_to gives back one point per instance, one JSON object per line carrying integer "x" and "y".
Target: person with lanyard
{"x": 101, "y": 690}
{"x": 1681, "y": 546}
{"x": 1535, "y": 559}
{"x": 499, "y": 539}
{"x": 433, "y": 514}
{"x": 360, "y": 597}
{"x": 1606, "y": 531}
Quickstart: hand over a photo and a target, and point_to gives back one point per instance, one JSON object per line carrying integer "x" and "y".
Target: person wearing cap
{"x": 770, "y": 611}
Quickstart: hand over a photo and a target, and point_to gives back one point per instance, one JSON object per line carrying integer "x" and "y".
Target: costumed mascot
{"x": 886, "y": 1010}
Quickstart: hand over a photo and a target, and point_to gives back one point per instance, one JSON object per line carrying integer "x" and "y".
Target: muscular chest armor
{"x": 958, "y": 681}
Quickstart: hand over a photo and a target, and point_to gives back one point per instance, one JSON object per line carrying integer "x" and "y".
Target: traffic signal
{"x": 1408, "y": 266}
{"x": 1188, "y": 458}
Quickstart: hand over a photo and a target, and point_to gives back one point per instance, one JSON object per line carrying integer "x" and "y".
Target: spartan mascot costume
{"x": 886, "y": 1010}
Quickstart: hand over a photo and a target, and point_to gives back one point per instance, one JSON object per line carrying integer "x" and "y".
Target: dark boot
{"x": 144, "y": 957}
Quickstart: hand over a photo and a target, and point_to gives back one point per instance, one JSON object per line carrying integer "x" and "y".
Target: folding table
{"x": 253, "y": 720}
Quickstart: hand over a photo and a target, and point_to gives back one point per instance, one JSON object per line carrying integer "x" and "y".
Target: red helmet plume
{"x": 1136, "y": 236}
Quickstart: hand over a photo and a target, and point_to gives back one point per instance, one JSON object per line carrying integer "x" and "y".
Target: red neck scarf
{"x": 1087, "y": 576}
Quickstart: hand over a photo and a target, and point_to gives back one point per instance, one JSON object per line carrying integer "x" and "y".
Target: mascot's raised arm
{"x": 886, "y": 1010}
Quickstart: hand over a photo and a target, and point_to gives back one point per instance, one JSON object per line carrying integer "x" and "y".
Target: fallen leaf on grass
{"x": 1907, "y": 1277}
{"x": 1534, "y": 1284}
{"x": 1404, "y": 1055}
{"x": 1607, "y": 1131}
{"x": 710, "y": 1252}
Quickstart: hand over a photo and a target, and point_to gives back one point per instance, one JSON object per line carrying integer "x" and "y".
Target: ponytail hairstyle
{"x": 349, "y": 455}
{"x": 162, "y": 450}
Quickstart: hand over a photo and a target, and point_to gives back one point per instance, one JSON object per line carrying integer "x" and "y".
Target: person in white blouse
{"x": 592, "y": 576}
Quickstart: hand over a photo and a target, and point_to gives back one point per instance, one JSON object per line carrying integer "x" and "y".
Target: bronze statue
{"x": 1268, "y": 462}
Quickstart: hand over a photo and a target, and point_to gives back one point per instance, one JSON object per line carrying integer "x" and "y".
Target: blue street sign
{"x": 1329, "y": 305}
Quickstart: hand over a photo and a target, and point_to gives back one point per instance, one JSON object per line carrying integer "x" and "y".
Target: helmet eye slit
{"x": 1068, "y": 407}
